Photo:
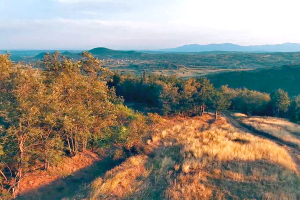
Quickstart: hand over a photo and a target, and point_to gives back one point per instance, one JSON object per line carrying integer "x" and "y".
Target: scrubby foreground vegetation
{"x": 59, "y": 111}
{"x": 63, "y": 109}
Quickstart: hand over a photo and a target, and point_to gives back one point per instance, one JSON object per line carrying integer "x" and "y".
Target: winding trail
{"x": 291, "y": 147}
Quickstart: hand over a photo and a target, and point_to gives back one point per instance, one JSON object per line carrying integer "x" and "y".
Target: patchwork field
{"x": 184, "y": 72}
{"x": 194, "y": 72}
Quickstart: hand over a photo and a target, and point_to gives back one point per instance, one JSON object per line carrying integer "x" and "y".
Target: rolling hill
{"x": 265, "y": 80}
{"x": 102, "y": 51}
{"x": 68, "y": 54}
{"x": 99, "y": 52}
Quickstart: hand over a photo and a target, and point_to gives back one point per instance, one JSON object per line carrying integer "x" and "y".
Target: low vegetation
{"x": 198, "y": 158}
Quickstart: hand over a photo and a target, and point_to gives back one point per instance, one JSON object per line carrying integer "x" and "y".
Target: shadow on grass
{"x": 247, "y": 128}
{"x": 68, "y": 187}
{"x": 257, "y": 179}
{"x": 160, "y": 178}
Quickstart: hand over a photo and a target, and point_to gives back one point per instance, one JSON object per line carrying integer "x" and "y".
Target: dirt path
{"x": 291, "y": 147}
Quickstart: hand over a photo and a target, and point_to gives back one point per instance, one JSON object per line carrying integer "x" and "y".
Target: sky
{"x": 145, "y": 24}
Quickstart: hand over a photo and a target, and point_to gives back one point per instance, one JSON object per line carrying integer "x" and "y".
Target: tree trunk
{"x": 19, "y": 174}
{"x": 46, "y": 164}
{"x": 73, "y": 146}
{"x": 3, "y": 175}
{"x": 84, "y": 143}
{"x": 69, "y": 144}
{"x": 216, "y": 114}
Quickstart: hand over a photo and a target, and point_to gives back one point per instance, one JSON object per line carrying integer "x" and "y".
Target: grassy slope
{"x": 264, "y": 80}
{"x": 197, "y": 158}
{"x": 280, "y": 128}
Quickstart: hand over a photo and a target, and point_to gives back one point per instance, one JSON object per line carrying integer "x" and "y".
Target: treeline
{"x": 58, "y": 110}
{"x": 169, "y": 95}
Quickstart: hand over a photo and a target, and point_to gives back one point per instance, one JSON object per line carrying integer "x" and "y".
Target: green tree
{"x": 168, "y": 98}
{"x": 22, "y": 95}
{"x": 220, "y": 101}
{"x": 280, "y": 102}
{"x": 294, "y": 110}
{"x": 205, "y": 92}
{"x": 187, "y": 94}
{"x": 247, "y": 101}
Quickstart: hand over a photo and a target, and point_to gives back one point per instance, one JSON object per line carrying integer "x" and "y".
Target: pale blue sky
{"x": 145, "y": 24}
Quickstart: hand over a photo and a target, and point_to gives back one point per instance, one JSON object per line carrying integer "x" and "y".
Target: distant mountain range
{"x": 286, "y": 47}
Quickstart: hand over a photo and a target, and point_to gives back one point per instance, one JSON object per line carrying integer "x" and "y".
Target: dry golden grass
{"x": 280, "y": 128}
{"x": 197, "y": 158}
{"x": 121, "y": 181}
{"x": 239, "y": 115}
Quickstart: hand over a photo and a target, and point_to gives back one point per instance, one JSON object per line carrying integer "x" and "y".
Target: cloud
{"x": 102, "y": 1}
{"x": 80, "y": 1}
{"x": 92, "y": 13}
{"x": 155, "y": 24}
{"x": 117, "y": 34}
{"x": 140, "y": 8}
{"x": 85, "y": 34}
{"x": 73, "y": 34}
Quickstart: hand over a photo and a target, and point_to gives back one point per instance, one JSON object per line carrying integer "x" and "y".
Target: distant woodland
{"x": 265, "y": 80}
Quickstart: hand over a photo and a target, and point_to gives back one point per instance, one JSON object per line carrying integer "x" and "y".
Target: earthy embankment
{"x": 67, "y": 179}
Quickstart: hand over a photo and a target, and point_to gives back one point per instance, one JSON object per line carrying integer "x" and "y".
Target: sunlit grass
{"x": 121, "y": 181}
{"x": 277, "y": 127}
{"x": 197, "y": 158}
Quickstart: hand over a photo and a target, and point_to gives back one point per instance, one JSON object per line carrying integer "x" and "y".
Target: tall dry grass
{"x": 197, "y": 158}
{"x": 120, "y": 181}
{"x": 277, "y": 127}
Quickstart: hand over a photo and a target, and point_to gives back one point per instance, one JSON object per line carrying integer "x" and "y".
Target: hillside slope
{"x": 263, "y": 80}
{"x": 186, "y": 158}
{"x": 197, "y": 158}
{"x": 102, "y": 52}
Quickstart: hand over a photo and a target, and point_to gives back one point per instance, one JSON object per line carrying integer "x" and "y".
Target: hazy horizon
{"x": 144, "y": 25}
{"x": 57, "y": 49}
